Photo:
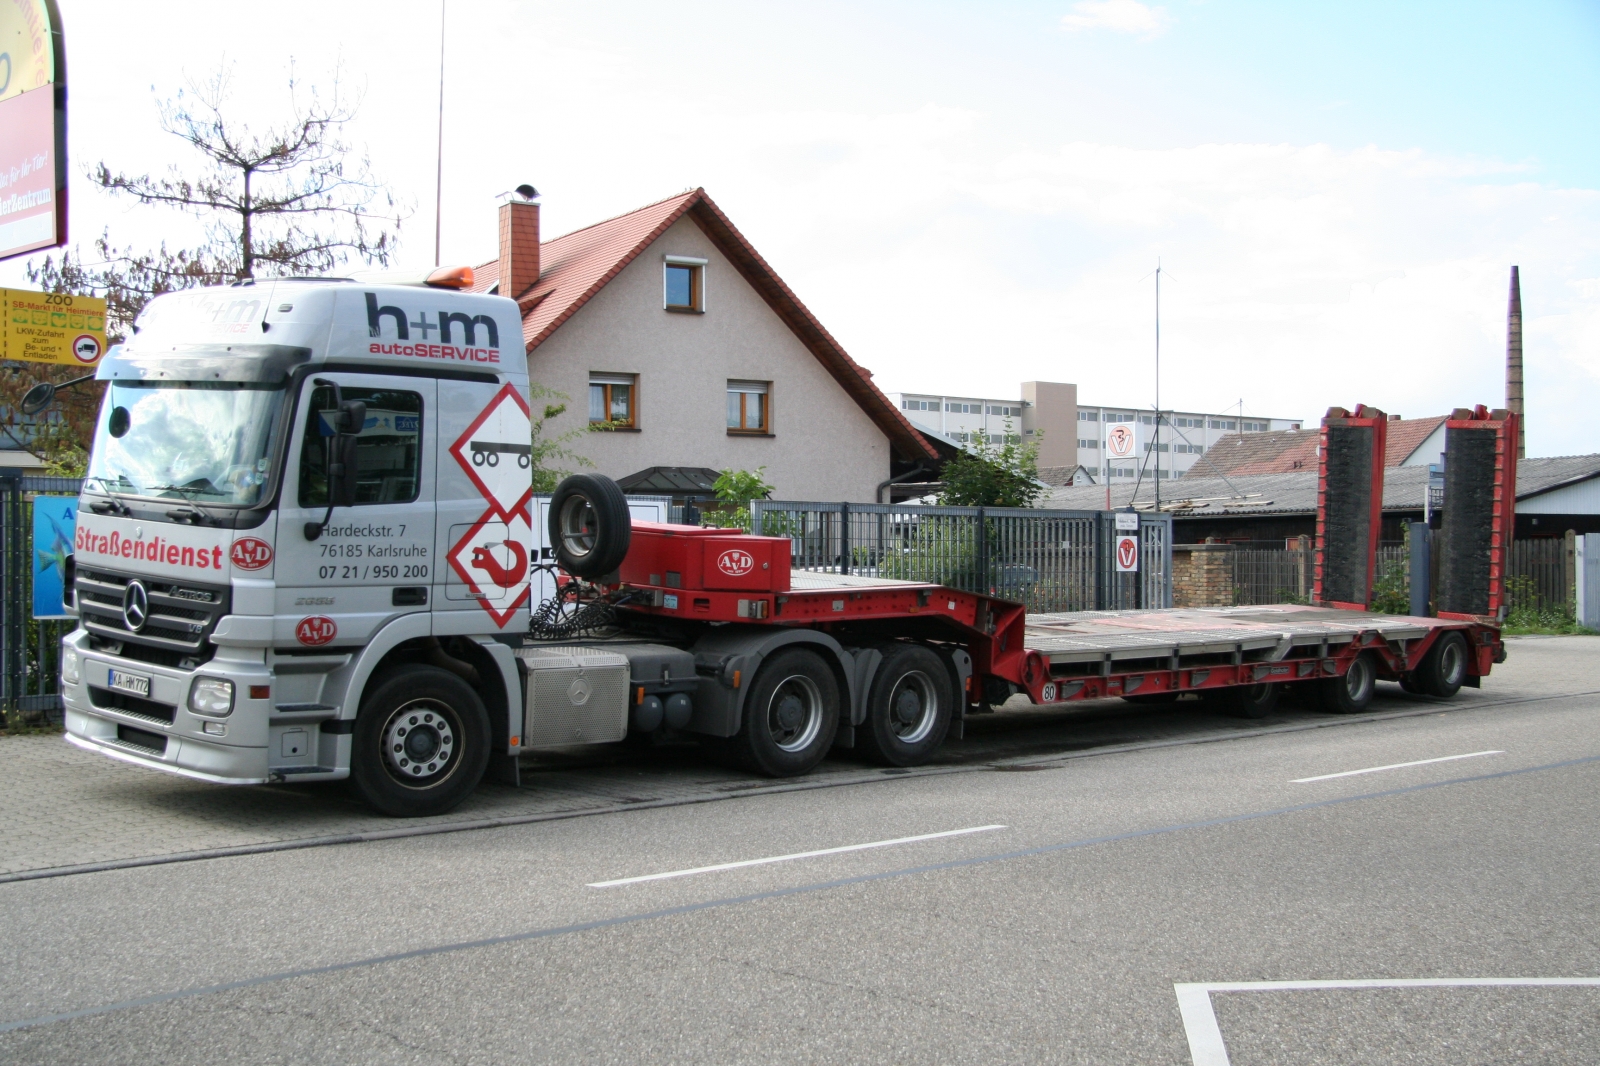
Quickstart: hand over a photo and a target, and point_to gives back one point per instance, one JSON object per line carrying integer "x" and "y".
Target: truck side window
{"x": 388, "y": 451}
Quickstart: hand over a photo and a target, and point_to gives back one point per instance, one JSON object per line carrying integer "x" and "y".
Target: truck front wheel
{"x": 421, "y": 743}
{"x": 791, "y": 715}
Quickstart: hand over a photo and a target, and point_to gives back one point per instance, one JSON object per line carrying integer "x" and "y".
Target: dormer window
{"x": 684, "y": 284}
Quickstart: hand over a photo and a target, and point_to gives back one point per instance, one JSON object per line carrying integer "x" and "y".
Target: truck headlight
{"x": 211, "y": 697}
{"x": 71, "y": 667}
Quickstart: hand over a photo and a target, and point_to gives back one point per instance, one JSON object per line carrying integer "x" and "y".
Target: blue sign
{"x": 54, "y": 520}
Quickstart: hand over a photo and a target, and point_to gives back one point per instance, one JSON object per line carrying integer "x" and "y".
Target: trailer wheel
{"x": 1444, "y": 668}
{"x": 1351, "y": 693}
{"x": 909, "y": 707}
{"x": 1249, "y": 701}
{"x": 790, "y": 716}
{"x": 421, "y": 743}
{"x": 590, "y": 528}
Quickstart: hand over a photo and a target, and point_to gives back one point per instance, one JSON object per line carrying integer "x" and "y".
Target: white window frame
{"x": 685, "y": 261}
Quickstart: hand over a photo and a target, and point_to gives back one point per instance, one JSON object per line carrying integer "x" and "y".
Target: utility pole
{"x": 1158, "y": 385}
{"x": 438, "y": 176}
{"x": 1514, "y": 362}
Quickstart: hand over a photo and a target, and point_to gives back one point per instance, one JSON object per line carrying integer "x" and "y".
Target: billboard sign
{"x": 33, "y": 166}
{"x": 54, "y": 520}
{"x": 49, "y": 327}
{"x": 1122, "y": 441}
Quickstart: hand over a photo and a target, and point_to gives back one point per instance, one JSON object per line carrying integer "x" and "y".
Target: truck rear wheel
{"x": 1444, "y": 668}
{"x": 421, "y": 743}
{"x": 791, "y": 715}
{"x": 1350, "y": 693}
{"x": 1249, "y": 701}
{"x": 908, "y": 708}
{"x": 590, "y": 527}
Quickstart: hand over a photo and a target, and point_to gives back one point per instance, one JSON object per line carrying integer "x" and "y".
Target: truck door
{"x": 375, "y": 560}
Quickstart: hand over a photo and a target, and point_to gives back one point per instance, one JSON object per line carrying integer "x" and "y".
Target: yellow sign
{"x": 48, "y": 327}
{"x": 27, "y": 48}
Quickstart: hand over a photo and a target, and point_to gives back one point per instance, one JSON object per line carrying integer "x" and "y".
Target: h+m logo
{"x": 469, "y": 324}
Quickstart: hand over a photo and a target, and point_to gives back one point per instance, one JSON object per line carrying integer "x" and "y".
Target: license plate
{"x": 137, "y": 684}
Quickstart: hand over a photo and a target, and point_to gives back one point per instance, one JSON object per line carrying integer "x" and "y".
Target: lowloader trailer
{"x": 304, "y": 553}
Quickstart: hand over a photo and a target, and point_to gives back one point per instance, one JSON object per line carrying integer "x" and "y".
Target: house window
{"x": 747, "y": 407}
{"x": 684, "y": 284}
{"x": 1089, "y": 443}
{"x": 614, "y": 398}
{"x": 1088, "y": 416}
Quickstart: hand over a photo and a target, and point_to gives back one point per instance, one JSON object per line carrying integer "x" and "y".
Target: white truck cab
{"x": 293, "y": 484}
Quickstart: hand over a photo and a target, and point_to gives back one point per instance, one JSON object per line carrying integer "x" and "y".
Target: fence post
{"x": 983, "y": 554}
{"x": 1421, "y": 571}
{"x": 13, "y": 564}
{"x": 1569, "y": 569}
{"x": 844, "y": 536}
{"x": 1588, "y": 574}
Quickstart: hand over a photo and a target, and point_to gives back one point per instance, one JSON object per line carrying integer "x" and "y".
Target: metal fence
{"x": 1046, "y": 559}
{"x": 1272, "y": 575}
{"x": 30, "y": 649}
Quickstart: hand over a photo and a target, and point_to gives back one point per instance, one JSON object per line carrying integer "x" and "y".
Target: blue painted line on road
{"x": 756, "y": 897}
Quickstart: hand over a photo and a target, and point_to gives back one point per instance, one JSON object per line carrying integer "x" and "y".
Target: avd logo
{"x": 316, "y": 630}
{"x": 250, "y": 553}
{"x": 736, "y": 562}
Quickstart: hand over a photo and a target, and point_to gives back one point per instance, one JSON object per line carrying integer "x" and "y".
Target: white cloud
{"x": 1119, "y": 16}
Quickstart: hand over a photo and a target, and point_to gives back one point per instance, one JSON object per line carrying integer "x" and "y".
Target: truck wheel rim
{"x": 913, "y": 707}
{"x": 1452, "y": 663}
{"x": 794, "y": 713}
{"x": 578, "y": 526}
{"x": 420, "y": 743}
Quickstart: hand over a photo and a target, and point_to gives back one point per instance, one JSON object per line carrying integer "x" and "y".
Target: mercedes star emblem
{"x": 135, "y": 606}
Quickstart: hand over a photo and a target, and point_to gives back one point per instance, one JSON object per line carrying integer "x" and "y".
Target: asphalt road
{"x": 1055, "y": 931}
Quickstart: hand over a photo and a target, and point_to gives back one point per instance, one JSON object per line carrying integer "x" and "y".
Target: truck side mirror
{"x": 343, "y": 466}
{"x": 342, "y": 471}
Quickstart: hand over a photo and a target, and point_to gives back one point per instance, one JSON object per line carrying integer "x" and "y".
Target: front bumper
{"x": 161, "y": 733}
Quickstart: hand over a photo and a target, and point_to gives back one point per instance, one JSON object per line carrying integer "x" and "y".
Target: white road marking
{"x": 1205, "y": 1038}
{"x": 796, "y": 855}
{"x": 1393, "y": 766}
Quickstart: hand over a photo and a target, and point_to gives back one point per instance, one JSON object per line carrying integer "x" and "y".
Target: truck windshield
{"x": 206, "y": 442}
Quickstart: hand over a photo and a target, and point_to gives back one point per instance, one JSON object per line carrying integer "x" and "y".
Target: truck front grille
{"x": 182, "y": 616}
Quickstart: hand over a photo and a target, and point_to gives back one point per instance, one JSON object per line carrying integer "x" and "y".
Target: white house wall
{"x": 1582, "y": 498}
{"x": 823, "y": 447}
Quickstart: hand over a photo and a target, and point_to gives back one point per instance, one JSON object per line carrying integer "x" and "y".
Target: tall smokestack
{"x": 1514, "y": 363}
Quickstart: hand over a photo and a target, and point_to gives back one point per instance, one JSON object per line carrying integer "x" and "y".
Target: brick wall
{"x": 1202, "y": 575}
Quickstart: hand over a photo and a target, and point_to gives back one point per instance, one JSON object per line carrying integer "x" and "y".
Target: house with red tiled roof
{"x": 666, "y": 327}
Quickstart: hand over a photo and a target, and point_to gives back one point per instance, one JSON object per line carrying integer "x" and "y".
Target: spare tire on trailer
{"x": 590, "y": 528}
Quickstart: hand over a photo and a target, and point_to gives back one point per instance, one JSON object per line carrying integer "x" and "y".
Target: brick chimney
{"x": 519, "y": 244}
{"x": 1514, "y": 361}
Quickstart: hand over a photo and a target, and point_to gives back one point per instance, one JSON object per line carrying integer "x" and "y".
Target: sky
{"x": 970, "y": 195}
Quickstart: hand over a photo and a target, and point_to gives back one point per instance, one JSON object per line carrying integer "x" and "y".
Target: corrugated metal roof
{"x": 1288, "y": 493}
{"x": 1535, "y": 476}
